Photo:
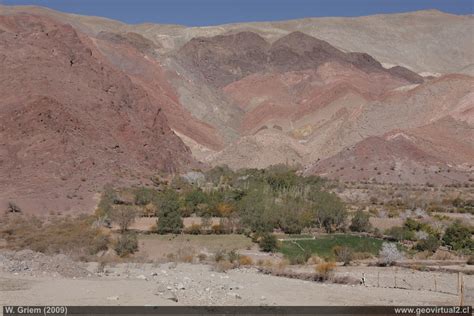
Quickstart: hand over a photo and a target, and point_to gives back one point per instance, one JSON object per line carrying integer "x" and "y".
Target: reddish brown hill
{"x": 438, "y": 153}
{"x": 69, "y": 121}
{"x": 134, "y": 55}
{"x": 285, "y": 98}
{"x": 226, "y": 58}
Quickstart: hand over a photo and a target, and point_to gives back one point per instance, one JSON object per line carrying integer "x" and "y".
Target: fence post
{"x": 461, "y": 292}
{"x": 459, "y": 282}
{"x": 436, "y": 288}
{"x": 378, "y": 278}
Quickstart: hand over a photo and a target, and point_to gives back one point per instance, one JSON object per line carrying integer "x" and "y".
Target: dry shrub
{"x": 223, "y": 266}
{"x": 126, "y": 244}
{"x": 268, "y": 263}
{"x": 245, "y": 261}
{"x": 423, "y": 255}
{"x": 442, "y": 255}
{"x": 315, "y": 260}
{"x": 194, "y": 229}
{"x": 282, "y": 265}
{"x": 219, "y": 255}
{"x": 470, "y": 260}
{"x": 217, "y": 229}
{"x": 76, "y": 236}
{"x": 343, "y": 254}
{"x": 325, "y": 269}
{"x": 233, "y": 256}
{"x": 202, "y": 257}
{"x": 185, "y": 254}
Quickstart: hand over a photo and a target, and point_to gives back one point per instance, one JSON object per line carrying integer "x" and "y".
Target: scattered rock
{"x": 37, "y": 263}
{"x": 171, "y": 296}
{"x": 235, "y": 295}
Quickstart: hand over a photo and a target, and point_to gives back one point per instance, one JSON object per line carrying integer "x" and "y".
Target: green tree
{"x": 169, "y": 218}
{"x": 106, "y": 202}
{"x": 194, "y": 199}
{"x": 330, "y": 211}
{"x": 268, "y": 243}
{"x": 143, "y": 196}
{"x": 255, "y": 210}
{"x": 360, "y": 222}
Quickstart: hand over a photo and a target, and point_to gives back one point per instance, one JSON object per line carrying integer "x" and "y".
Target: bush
{"x": 470, "y": 260}
{"x": 233, "y": 256}
{"x": 400, "y": 233}
{"x": 389, "y": 254}
{"x": 360, "y": 222}
{"x": 245, "y": 261}
{"x": 431, "y": 244}
{"x": 324, "y": 270}
{"x": 219, "y": 255}
{"x": 458, "y": 237}
{"x": 194, "y": 229}
{"x": 314, "y": 259}
{"x": 126, "y": 244}
{"x": 343, "y": 254}
{"x": 217, "y": 229}
{"x": 268, "y": 243}
{"x": 108, "y": 198}
{"x": 223, "y": 266}
{"x": 99, "y": 243}
{"x": 76, "y": 236}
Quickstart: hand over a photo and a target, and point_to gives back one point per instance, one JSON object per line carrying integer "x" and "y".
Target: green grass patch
{"x": 322, "y": 246}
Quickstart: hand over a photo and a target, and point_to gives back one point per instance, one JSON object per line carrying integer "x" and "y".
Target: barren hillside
{"x": 69, "y": 121}
{"x": 87, "y": 100}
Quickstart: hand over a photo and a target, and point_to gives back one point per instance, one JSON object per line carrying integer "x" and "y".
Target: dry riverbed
{"x": 186, "y": 284}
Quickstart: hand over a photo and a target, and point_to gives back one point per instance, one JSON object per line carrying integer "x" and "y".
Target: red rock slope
{"x": 70, "y": 122}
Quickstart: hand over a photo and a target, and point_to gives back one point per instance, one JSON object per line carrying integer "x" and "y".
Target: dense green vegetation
{"x": 259, "y": 202}
{"x": 456, "y": 236}
{"x": 247, "y": 201}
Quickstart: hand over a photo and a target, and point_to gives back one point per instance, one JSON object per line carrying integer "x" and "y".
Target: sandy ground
{"x": 197, "y": 284}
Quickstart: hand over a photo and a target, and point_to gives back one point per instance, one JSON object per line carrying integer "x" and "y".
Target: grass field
{"x": 322, "y": 246}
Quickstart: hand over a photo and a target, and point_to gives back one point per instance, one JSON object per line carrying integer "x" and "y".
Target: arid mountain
{"x": 224, "y": 59}
{"x": 87, "y": 100}
{"x": 69, "y": 121}
{"x": 423, "y": 41}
